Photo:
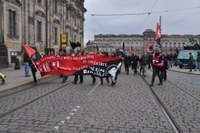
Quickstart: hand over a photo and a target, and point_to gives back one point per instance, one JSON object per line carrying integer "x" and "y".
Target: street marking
{"x": 67, "y": 117}
{"x": 62, "y": 122}
{"x": 71, "y": 114}
{"x": 91, "y": 91}
{"x": 56, "y": 127}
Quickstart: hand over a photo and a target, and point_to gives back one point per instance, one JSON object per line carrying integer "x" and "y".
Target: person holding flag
{"x": 30, "y": 53}
{"x": 27, "y": 55}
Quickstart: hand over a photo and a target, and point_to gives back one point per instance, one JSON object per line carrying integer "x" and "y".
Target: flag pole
{"x": 160, "y": 31}
{"x": 34, "y": 63}
{"x": 160, "y": 22}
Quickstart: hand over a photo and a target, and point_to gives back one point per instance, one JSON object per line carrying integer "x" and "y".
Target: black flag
{"x": 75, "y": 45}
{"x": 123, "y": 47}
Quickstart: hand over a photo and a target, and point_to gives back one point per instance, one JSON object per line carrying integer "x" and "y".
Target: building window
{"x": 12, "y": 23}
{"x": 56, "y": 35}
{"x": 67, "y": 15}
{"x": 39, "y": 2}
{"x": 39, "y": 31}
{"x": 56, "y": 7}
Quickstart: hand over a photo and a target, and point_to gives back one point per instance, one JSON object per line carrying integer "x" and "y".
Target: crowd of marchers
{"x": 157, "y": 61}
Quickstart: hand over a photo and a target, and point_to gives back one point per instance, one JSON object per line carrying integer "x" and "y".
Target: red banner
{"x": 69, "y": 65}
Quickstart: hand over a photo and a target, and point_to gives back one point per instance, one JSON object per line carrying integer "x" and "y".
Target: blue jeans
{"x": 197, "y": 65}
{"x": 26, "y": 68}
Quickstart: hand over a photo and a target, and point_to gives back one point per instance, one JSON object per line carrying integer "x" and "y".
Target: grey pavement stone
{"x": 182, "y": 106}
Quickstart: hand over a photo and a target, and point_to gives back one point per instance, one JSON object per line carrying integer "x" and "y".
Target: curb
{"x": 24, "y": 86}
{"x": 184, "y": 72}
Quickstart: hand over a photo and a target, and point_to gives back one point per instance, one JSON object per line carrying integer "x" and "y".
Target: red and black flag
{"x": 123, "y": 46}
{"x": 95, "y": 64}
{"x": 158, "y": 34}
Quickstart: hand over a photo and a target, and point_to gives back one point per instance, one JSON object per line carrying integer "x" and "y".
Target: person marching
{"x": 64, "y": 78}
{"x": 107, "y": 77}
{"x": 127, "y": 62}
{"x": 33, "y": 70}
{"x": 157, "y": 65}
{"x": 79, "y": 53}
{"x": 134, "y": 63}
{"x": 143, "y": 62}
{"x": 164, "y": 68}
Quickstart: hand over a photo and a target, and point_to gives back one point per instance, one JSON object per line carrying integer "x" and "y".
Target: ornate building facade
{"x": 40, "y": 24}
{"x": 137, "y": 42}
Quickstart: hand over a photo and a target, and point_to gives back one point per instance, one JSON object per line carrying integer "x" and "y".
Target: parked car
{"x": 183, "y": 58}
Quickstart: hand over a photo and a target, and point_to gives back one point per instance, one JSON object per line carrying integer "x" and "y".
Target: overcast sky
{"x": 178, "y": 17}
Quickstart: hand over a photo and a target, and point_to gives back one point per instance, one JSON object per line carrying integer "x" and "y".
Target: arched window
{"x": 56, "y": 7}
{"x": 55, "y": 35}
{"x": 39, "y": 31}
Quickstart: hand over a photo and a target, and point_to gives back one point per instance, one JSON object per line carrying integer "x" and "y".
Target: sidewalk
{"x": 184, "y": 70}
{"x": 16, "y": 78}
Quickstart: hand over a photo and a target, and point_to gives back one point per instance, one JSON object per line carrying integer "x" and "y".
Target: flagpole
{"x": 160, "y": 22}
{"x": 34, "y": 64}
{"x": 160, "y": 31}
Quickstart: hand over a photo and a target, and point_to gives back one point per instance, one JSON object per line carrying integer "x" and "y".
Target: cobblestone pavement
{"x": 180, "y": 94}
{"x": 16, "y": 78}
{"x": 13, "y": 101}
{"x": 127, "y": 107}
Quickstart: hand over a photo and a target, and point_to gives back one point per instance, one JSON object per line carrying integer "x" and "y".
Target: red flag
{"x": 158, "y": 33}
{"x": 30, "y": 51}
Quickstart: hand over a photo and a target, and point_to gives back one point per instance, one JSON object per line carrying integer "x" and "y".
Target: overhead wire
{"x": 99, "y": 24}
{"x": 181, "y": 20}
{"x": 145, "y": 13}
{"x": 148, "y": 15}
{"x": 141, "y": 14}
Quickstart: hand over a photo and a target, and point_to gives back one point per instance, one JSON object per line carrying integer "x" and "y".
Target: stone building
{"x": 137, "y": 42}
{"x": 99, "y": 46}
{"x": 39, "y": 23}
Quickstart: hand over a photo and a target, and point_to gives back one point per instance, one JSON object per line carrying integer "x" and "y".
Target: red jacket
{"x": 158, "y": 61}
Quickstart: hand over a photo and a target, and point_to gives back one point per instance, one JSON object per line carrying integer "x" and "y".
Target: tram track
{"x": 30, "y": 101}
{"x": 198, "y": 99}
{"x": 181, "y": 101}
{"x": 24, "y": 87}
{"x": 164, "y": 109}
